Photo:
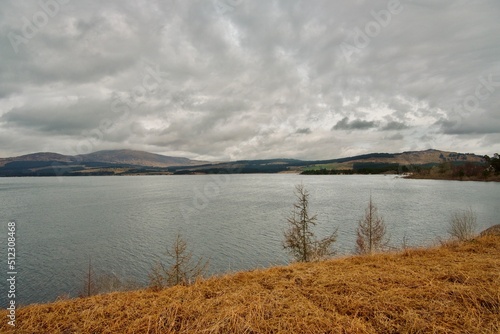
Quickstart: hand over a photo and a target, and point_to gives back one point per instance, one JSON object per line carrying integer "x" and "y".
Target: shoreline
{"x": 449, "y": 288}
{"x": 468, "y": 179}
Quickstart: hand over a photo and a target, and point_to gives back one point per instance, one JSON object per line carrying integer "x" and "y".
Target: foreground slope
{"x": 450, "y": 289}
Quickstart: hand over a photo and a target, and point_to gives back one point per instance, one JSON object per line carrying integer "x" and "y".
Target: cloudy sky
{"x": 241, "y": 79}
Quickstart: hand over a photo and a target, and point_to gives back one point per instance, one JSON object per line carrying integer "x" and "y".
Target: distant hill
{"x": 137, "y": 158}
{"x": 370, "y": 163}
{"x": 414, "y": 157}
{"x": 42, "y": 156}
{"x": 375, "y": 163}
{"x": 126, "y": 162}
{"x": 128, "y": 157}
{"x": 111, "y": 162}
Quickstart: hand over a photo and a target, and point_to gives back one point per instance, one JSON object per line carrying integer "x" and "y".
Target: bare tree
{"x": 300, "y": 240}
{"x": 463, "y": 224}
{"x": 110, "y": 282}
{"x": 371, "y": 231}
{"x": 104, "y": 282}
{"x": 157, "y": 277}
{"x": 183, "y": 270}
{"x": 89, "y": 286}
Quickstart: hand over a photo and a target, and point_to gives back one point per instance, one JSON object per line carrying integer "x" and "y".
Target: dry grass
{"x": 451, "y": 289}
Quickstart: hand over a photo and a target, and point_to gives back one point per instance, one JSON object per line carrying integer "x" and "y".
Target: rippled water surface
{"x": 124, "y": 224}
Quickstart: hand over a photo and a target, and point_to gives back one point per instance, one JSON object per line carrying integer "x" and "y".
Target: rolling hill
{"x": 372, "y": 161}
{"x": 120, "y": 162}
{"x": 42, "y": 156}
{"x": 111, "y": 162}
{"x": 137, "y": 158}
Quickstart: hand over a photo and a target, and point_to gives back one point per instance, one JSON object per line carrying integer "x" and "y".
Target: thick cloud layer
{"x": 241, "y": 79}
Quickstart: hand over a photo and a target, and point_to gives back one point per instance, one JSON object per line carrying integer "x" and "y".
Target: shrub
{"x": 463, "y": 224}
{"x": 183, "y": 270}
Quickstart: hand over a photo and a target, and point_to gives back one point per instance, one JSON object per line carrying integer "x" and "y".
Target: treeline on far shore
{"x": 487, "y": 170}
{"x": 362, "y": 168}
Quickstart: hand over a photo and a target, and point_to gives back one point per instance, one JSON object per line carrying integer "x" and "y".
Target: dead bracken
{"x": 453, "y": 288}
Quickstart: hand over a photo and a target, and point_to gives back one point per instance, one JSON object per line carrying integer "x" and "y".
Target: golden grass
{"x": 454, "y": 288}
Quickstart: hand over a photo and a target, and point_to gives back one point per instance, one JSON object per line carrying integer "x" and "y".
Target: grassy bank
{"x": 448, "y": 289}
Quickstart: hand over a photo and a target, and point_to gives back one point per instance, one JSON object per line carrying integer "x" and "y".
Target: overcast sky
{"x": 242, "y": 79}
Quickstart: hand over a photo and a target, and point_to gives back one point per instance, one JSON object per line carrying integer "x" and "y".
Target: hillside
{"x": 369, "y": 162}
{"x": 42, "y": 156}
{"x": 111, "y": 162}
{"x": 137, "y": 158}
{"x": 420, "y": 157}
{"x": 410, "y": 158}
{"x": 127, "y": 162}
{"x": 449, "y": 289}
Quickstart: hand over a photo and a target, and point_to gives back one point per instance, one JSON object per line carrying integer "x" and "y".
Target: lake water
{"x": 124, "y": 224}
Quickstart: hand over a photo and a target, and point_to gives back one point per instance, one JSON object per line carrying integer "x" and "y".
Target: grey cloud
{"x": 304, "y": 131}
{"x": 356, "y": 124}
{"x": 469, "y": 127}
{"x": 239, "y": 84}
{"x": 396, "y": 136}
{"x": 393, "y": 125}
{"x": 55, "y": 120}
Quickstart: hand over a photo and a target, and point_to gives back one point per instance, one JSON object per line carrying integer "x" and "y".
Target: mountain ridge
{"x": 123, "y": 156}
{"x": 132, "y": 162}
